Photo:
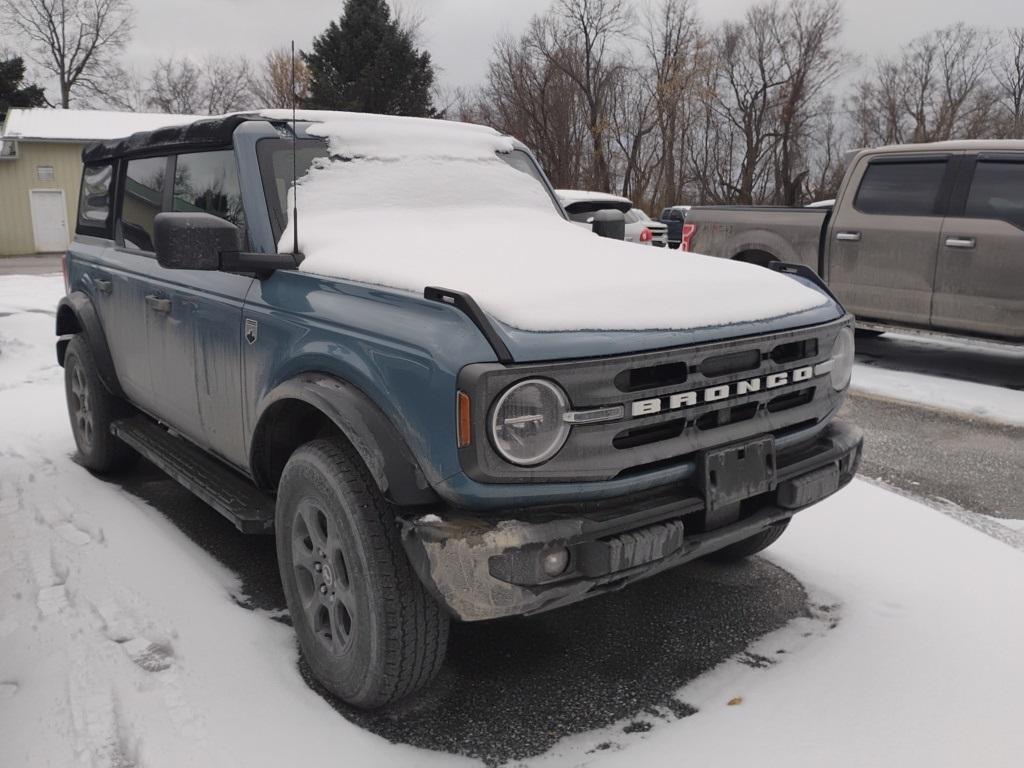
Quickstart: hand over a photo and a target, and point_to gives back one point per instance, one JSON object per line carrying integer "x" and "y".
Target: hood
{"x": 474, "y": 223}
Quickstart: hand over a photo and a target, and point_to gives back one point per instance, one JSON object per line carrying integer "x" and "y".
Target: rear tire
{"x": 756, "y": 543}
{"x": 367, "y": 627}
{"x": 92, "y": 409}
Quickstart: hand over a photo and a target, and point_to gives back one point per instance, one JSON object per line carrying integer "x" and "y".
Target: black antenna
{"x": 295, "y": 175}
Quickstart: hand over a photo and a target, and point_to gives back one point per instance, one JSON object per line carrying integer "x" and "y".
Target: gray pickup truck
{"x": 925, "y": 236}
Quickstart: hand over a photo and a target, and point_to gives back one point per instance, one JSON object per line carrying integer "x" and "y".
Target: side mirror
{"x": 609, "y": 223}
{"x": 193, "y": 240}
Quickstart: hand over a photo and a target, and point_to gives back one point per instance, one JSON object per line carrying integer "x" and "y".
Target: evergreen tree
{"x": 12, "y": 92}
{"x": 367, "y": 62}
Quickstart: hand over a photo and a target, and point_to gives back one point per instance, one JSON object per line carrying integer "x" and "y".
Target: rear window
{"x": 901, "y": 189}
{"x": 997, "y": 192}
{"x": 94, "y": 200}
{"x": 143, "y": 200}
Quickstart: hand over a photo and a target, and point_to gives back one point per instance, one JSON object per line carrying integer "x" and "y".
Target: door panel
{"x": 883, "y": 242}
{"x": 195, "y": 345}
{"x": 195, "y": 357}
{"x": 979, "y": 284}
{"x": 122, "y": 312}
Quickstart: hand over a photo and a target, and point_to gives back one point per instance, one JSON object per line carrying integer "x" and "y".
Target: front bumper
{"x": 486, "y": 567}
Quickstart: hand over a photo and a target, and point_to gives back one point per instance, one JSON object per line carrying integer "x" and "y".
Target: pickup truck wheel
{"x": 92, "y": 409}
{"x": 756, "y": 543}
{"x": 367, "y": 627}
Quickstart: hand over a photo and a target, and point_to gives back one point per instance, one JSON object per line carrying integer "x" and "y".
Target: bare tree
{"x": 272, "y": 85}
{"x": 806, "y": 34}
{"x": 527, "y": 96}
{"x": 938, "y": 89}
{"x": 212, "y": 86}
{"x": 73, "y": 40}
{"x": 175, "y": 87}
{"x": 676, "y": 51}
{"x": 576, "y": 37}
{"x": 1008, "y": 71}
{"x": 226, "y": 84}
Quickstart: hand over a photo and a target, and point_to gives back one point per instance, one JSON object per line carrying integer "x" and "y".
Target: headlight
{"x": 842, "y": 359}
{"x": 526, "y": 423}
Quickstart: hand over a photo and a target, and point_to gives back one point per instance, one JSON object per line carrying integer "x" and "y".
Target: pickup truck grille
{"x": 676, "y": 402}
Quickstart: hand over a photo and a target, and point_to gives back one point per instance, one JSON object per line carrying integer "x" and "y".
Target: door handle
{"x": 103, "y": 286}
{"x": 851, "y": 237}
{"x": 959, "y": 242}
{"x": 157, "y": 304}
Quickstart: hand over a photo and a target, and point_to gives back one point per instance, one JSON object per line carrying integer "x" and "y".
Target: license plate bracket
{"x": 738, "y": 471}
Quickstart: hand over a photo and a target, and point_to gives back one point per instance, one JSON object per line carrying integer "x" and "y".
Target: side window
{"x": 94, "y": 200}
{"x": 997, "y": 192}
{"x": 208, "y": 181}
{"x": 142, "y": 201}
{"x": 902, "y": 189}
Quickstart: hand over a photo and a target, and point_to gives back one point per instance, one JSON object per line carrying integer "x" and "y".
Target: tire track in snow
{"x": 97, "y": 624}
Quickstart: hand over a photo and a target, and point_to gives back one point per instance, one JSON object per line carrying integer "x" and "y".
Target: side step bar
{"x": 241, "y": 502}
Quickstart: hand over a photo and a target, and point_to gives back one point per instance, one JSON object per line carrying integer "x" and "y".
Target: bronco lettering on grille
{"x": 721, "y": 392}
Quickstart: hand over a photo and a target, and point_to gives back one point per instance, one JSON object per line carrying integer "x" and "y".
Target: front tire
{"x": 751, "y": 546}
{"x": 367, "y": 627}
{"x": 92, "y": 409}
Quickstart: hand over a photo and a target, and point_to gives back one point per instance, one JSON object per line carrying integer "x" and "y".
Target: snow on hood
{"x": 407, "y": 203}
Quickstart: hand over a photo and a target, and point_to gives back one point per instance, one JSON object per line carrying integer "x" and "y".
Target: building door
{"x": 49, "y": 220}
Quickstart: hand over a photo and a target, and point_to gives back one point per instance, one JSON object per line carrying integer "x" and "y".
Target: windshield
{"x": 275, "y": 159}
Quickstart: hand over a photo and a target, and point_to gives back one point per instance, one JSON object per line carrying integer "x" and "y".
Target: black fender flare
{"x": 370, "y": 432}
{"x": 77, "y": 314}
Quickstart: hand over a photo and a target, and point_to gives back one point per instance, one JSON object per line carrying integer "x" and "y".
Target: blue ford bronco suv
{"x": 420, "y": 456}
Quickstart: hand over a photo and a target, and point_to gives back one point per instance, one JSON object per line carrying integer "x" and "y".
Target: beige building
{"x": 41, "y": 169}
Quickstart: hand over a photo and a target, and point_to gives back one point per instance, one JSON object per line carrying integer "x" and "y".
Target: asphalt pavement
{"x": 512, "y": 688}
{"x": 938, "y": 455}
{"x": 37, "y": 264}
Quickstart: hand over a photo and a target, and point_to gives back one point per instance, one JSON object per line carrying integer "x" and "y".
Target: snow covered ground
{"x": 947, "y": 392}
{"x": 122, "y": 643}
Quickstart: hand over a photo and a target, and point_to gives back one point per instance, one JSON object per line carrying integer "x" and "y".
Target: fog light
{"x": 555, "y": 561}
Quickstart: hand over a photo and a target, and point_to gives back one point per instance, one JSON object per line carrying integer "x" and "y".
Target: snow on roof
{"x": 570, "y": 196}
{"x": 472, "y": 222}
{"x": 387, "y": 137}
{"x": 82, "y": 125}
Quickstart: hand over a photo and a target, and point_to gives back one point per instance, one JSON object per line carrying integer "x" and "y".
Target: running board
{"x": 228, "y": 492}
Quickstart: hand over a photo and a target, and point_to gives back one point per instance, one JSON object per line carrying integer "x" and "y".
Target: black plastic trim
{"x": 801, "y": 270}
{"x": 468, "y": 306}
{"x": 76, "y": 314}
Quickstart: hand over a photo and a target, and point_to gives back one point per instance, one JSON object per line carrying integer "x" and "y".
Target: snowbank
{"x": 911, "y": 655}
{"x": 408, "y": 203}
{"x": 998, "y": 404}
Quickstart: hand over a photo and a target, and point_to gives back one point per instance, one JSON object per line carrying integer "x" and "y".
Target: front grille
{"x": 675, "y": 402}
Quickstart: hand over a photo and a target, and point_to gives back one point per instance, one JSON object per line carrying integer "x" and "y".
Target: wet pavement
{"x": 38, "y": 264}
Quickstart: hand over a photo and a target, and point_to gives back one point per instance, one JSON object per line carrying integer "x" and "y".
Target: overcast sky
{"x": 459, "y": 33}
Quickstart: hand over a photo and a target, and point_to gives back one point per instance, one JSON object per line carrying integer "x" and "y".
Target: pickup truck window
{"x": 997, "y": 192}
{"x": 901, "y": 189}
{"x": 208, "y": 181}
{"x": 94, "y": 204}
{"x": 143, "y": 200}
